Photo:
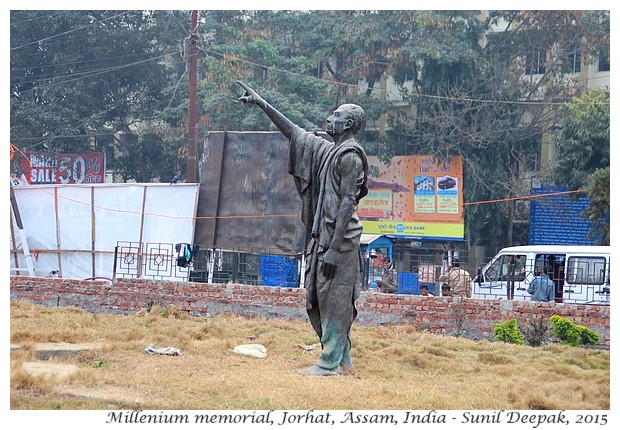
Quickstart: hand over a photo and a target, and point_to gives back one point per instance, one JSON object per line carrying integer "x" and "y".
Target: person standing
{"x": 457, "y": 279}
{"x": 389, "y": 277}
{"x": 331, "y": 178}
{"x": 542, "y": 289}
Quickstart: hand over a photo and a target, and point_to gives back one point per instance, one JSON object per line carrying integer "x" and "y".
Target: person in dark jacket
{"x": 542, "y": 287}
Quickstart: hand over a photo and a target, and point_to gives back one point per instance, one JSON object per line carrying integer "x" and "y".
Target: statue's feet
{"x": 317, "y": 371}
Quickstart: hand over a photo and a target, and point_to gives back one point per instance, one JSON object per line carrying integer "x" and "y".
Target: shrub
{"x": 458, "y": 312}
{"x": 508, "y": 332}
{"x": 571, "y": 334}
{"x": 534, "y": 330}
{"x": 588, "y": 336}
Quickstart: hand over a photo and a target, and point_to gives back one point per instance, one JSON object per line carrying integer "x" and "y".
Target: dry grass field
{"x": 397, "y": 367}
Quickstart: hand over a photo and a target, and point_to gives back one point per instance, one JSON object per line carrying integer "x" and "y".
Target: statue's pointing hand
{"x": 249, "y": 96}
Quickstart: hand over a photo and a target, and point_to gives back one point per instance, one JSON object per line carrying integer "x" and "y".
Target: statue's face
{"x": 338, "y": 122}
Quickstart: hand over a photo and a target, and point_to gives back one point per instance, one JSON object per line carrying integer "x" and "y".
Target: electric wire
{"x": 259, "y": 216}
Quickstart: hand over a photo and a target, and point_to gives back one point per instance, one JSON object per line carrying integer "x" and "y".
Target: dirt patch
{"x": 40, "y": 368}
{"x": 109, "y": 394}
{"x": 45, "y": 351}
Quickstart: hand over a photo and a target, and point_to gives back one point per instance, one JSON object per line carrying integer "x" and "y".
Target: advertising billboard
{"x": 414, "y": 196}
{"x": 86, "y": 168}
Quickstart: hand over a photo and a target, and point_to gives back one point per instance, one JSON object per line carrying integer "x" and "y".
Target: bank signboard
{"x": 414, "y": 196}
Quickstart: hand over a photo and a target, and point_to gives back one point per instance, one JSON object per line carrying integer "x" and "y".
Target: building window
{"x": 535, "y": 64}
{"x": 319, "y": 69}
{"x": 571, "y": 63}
{"x": 603, "y": 61}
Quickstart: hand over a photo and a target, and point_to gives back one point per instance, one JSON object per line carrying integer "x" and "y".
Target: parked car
{"x": 580, "y": 273}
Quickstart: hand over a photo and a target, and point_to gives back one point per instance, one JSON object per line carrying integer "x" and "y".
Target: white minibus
{"x": 580, "y": 273}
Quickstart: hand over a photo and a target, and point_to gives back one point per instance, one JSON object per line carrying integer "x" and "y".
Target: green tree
{"x": 297, "y": 60}
{"x": 462, "y": 91}
{"x": 584, "y": 145}
{"x": 473, "y": 100}
{"x": 86, "y": 80}
{"x": 582, "y": 139}
{"x": 599, "y": 212}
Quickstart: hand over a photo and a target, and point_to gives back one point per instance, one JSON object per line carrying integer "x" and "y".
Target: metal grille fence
{"x": 266, "y": 267}
{"x": 577, "y": 279}
{"x": 251, "y": 266}
{"x": 147, "y": 260}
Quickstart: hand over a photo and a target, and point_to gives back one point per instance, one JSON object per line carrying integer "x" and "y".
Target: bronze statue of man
{"x": 331, "y": 178}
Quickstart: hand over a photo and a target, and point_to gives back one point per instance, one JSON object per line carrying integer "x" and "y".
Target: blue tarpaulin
{"x": 278, "y": 271}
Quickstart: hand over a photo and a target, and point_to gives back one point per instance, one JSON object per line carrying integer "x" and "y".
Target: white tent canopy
{"x": 74, "y": 229}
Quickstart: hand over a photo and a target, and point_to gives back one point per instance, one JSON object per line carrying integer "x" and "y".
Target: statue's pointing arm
{"x": 283, "y": 123}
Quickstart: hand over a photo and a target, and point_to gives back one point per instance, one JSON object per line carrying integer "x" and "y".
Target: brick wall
{"x": 471, "y": 318}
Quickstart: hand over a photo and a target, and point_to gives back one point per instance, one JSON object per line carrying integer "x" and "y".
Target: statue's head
{"x": 348, "y": 117}
{"x": 356, "y": 114}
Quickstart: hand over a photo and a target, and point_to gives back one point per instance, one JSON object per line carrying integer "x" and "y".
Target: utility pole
{"x": 192, "y": 169}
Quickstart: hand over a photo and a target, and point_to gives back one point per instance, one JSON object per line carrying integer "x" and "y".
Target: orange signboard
{"x": 414, "y": 196}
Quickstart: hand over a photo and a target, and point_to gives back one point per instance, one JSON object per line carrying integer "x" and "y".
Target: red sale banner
{"x": 87, "y": 168}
